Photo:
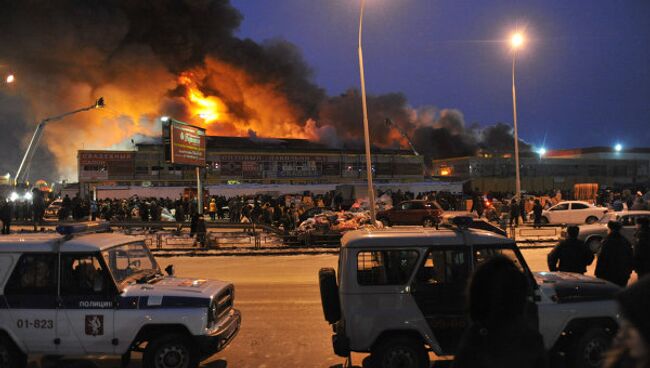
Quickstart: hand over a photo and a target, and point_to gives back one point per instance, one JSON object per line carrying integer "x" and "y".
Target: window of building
{"x": 391, "y": 267}
{"x": 35, "y": 274}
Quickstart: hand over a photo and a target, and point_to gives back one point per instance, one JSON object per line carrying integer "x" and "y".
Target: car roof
{"x": 44, "y": 243}
{"x": 418, "y": 236}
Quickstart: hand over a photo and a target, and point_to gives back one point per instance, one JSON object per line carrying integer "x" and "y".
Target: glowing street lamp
{"x": 618, "y": 147}
{"x": 10, "y": 79}
{"x": 516, "y": 41}
{"x": 541, "y": 152}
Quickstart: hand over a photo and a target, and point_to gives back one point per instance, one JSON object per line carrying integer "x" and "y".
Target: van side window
{"x": 481, "y": 254}
{"x": 448, "y": 266}
{"x": 390, "y": 267}
{"x": 35, "y": 274}
{"x": 82, "y": 274}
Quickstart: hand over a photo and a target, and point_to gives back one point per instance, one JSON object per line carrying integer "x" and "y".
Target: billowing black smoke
{"x": 67, "y": 52}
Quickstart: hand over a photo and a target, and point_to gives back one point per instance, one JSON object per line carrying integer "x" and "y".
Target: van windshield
{"x": 130, "y": 261}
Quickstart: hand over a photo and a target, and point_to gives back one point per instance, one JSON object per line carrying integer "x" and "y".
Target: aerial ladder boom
{"x": 389, "y": 123}
{"x": 21, "y": 174}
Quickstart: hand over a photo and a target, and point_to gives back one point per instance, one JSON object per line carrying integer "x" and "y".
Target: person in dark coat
{"x": 642, "y": 247}
{"x": 537, "y": 214}
{"x": 5, "y": 216}
{"x": 499, "y": 334}
{"x": 201, "y": 231}
{"x": 179, "y": 216}
{"x": 514, "y": 212}
{"x": 573, "y": 254}
{"x": 631, "y": 347}
{"x": 615, "y": 262}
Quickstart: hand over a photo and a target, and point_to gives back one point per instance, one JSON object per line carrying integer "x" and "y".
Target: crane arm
{"x": 390, "y": 123}
{"x": 33, "y": 144}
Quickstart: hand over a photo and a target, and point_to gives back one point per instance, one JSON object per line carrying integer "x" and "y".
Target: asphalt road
{"x": 278, "y": 296}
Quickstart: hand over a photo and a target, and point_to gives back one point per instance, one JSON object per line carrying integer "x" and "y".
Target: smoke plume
{"x": 181, "y": 58}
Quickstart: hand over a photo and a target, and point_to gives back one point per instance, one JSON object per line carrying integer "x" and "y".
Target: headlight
{"x": 13, "y": 196}
{"x": 29, "y": 196}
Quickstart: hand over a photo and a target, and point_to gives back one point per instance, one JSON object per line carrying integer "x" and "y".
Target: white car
{"x": 399, "y": 294}
{"x": 594, "y": 234}
{"x": 572, "y": 213}
{"x": 104, "y": 294}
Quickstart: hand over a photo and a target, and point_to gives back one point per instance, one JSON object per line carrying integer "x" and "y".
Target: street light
{"x": 10, "y": 79}
{"x": 366, "y": 130}
{"x": 618, "y": 147}
{"x": 516, "y": 41}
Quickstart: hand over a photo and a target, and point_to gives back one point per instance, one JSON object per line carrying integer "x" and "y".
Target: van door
{"x": 439, "y": 291}
{"x": 30, "y": 295}
{"x": 87, "y": 301}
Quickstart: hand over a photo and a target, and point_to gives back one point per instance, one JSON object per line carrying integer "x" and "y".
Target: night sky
{"x": 583, "y": 76}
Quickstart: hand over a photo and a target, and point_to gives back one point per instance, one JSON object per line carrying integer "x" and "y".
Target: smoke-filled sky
{"x": 288, "y": 68}
{"x": 583, "y": 80}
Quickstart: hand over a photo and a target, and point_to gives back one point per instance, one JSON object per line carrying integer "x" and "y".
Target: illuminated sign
{"x": 184, "y": 143}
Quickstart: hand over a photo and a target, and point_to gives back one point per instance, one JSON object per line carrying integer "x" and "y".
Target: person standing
{"x": 615, "y": 262}
{"x": 642, "y": 247}
{"x": 572, "y": 254}
{"x": 499, "y": 334}
{"x": 213, "y": 209}
{"x": 5, "y": 216}
{"x": 537, "y": 214}
{"x": 631, "y": 347}
{"x": 514, "y": 213}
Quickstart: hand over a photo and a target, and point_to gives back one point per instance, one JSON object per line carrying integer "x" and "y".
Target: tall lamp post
{"x": 516, "y": 41}
{"x": 366, "y": 131}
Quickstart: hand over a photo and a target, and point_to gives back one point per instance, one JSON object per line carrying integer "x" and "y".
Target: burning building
{"x": 234, "y": 160}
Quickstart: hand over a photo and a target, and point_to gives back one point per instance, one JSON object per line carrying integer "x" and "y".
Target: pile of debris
{"x": 340, "y": 221}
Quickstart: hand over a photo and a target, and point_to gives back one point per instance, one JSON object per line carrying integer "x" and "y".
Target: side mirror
{"x": 170, "y": 270}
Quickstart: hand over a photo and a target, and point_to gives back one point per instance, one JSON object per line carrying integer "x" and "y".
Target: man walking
{"x": 572, "y": 254}
{"x": 616, "y": 257}
{"x": 5, "y": 216}
{"x": 642, "y": 247}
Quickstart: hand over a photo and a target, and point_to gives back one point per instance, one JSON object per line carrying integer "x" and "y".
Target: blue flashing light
{"x": 83, "y": 227}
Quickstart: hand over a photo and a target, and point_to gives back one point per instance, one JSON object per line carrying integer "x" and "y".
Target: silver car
{"x": 593, "y": 234}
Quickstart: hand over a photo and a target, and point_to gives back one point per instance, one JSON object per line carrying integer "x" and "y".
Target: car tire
{"x": 400, "y": 352}
{"x": 544, "y": 220}
{"x": 10, "y": 355}
{"x": 595, "y": 244}
{"x": 329, "y": 294}
{"x": 428, "y": 222}
{"x": 591, "y": 219}
{"x": 170, "y": 351}
{"x": 589, "y": 349}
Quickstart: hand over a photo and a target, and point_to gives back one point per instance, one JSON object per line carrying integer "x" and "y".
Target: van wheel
{"x": 10, "y": 355}
{"x": 544, "y": 220}
{"x": 591, "y": 219}
{"x": 385, "y": 222}
{"x": 428, "y": 222}
{"x": 400, "y": 352}
{"x": 170, "y": 351}
{"x": 589, "y": 349}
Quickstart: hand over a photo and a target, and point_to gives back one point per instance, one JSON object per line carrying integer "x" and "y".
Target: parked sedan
{"x": 416, "y": 212}
{"x": 572, "y": 213}
{"x": 594, "y": 234}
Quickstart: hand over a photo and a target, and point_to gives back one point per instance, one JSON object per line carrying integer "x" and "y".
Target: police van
{"x": 88, "y": 292}
{"x": 400, "y": 294}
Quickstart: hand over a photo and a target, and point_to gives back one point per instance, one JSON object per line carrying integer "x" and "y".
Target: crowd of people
{"x": 496, "y": 206}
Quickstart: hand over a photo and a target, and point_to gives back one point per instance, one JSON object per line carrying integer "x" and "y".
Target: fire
{"x": 207, "y": 108}
{"x": 226, "y": 100}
